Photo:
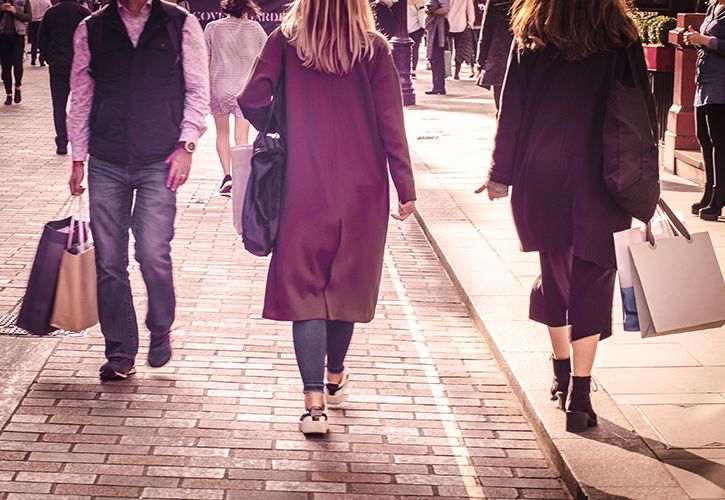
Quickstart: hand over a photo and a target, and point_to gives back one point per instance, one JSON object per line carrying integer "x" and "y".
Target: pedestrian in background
{"x": 710, "y": 107}
{"x": 416, "y": 30}
{"x": 138, "y": 106}
{"x": 326, "y": 269}
{"x": 494, "y": 47}
{"x": 461, "y": 17}
{"x": 385, "y": 18}
{"x": 40, "y": 7}
{"x": 478, "y": 6}
{"x": 55, "y": 41}
{"x": 233, "y": 43}
{"x": 436, "y": 31}
{"x": 548, "y": 147}
{"x": 14, "y": 14}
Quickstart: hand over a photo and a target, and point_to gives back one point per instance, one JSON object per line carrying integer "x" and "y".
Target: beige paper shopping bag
{"x": 678, "y": 284}
{"x": 76, "y": 306}
{"x": 241, "y": 166}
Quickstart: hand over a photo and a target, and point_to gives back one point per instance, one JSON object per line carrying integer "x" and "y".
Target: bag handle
{"x": 80, "y": 220}
{"x": 279, "y": 91}
{"x": 675, "y": 223}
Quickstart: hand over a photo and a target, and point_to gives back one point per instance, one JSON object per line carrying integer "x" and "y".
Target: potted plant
{"x": 658, "y": 53}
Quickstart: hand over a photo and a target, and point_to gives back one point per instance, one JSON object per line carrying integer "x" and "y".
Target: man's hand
{"x": 180, "y": 163}
{"x": 405, "y": 210}
{"x": 8, "y": 8}
{"x": 76, "y": 178}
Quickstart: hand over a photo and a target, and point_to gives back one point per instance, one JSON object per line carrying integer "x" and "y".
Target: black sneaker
{"x": 8, "y": 100}
{"x": 117, "y": 369}
{"x": 18, "y": 96}
{"x": 159, "y": 350}
{"x": 226, "y": 187}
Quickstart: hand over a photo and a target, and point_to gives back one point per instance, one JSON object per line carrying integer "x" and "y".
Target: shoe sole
{"x": 340, "y": 396}
{"x": 114, "y": 375}
{"x": 314, "y": 427}
{"x": 226, "y": 189}
{"x": 709, "y": 217}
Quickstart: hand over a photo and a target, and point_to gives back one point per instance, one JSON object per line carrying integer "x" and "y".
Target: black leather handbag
{"x": 262, "y": 200}
{"x": 629, "y": 144}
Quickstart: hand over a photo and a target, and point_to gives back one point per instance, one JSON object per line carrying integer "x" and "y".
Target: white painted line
{"x": 443, "y": 406}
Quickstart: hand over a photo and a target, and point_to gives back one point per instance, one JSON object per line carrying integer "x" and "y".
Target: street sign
{"x": 209, "y": 10}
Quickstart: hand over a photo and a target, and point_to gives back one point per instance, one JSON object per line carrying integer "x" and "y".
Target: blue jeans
{"x": 135, "y": 197}
{"x": 314, "y": 339}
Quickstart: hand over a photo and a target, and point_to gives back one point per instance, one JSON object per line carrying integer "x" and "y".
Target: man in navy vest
{"x": 139, "y": 99}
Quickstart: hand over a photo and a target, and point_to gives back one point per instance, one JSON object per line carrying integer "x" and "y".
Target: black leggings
{"x": 710, "y": 121}
{"x": 11, "y": 60}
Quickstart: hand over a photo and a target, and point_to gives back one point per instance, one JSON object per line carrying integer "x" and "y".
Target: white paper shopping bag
{"x": 678, "y": 283}
{"x": 241, "y": 166}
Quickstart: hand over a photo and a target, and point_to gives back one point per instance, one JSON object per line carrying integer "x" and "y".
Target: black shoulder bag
{"x": 629, "y": 146}
{"x": 260, "y": 213}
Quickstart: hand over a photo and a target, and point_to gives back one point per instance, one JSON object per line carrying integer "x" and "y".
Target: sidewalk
{"x": 431, "y": 415}
{"x": 669, "y": 390}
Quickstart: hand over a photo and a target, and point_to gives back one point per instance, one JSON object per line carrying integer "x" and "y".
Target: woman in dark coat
{"x": 494, "y": 45}
{"x": 344, "y": 129}
{"x": 548, "y": 147}
{"x": 710, "y": 107}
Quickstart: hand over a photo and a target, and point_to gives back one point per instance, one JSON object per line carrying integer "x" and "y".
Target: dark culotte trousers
{"x": 573, "y": 291}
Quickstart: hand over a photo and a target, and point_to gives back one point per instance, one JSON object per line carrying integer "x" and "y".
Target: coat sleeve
{"x": 43, "y": 38}
{"x": 484, "y": 41}
{"x": 389, "y": 111}
{"x": 256, "y": 97}
{"x": 513, "y": 98}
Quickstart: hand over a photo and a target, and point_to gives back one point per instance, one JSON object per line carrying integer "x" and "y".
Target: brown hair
{"x": 330, "y": 35}
{"x": 576, "y": 29}
{"x": 240, "y": 8}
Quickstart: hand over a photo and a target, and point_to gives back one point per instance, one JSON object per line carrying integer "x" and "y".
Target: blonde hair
{"x": 576, "y": 29}
{"x": 330, "y": 35}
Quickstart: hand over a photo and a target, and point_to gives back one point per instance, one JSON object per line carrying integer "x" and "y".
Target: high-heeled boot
{"x": 579, "y": 413}
{"x": 560, "y": 384}
{"x": 705, "y": 201}
{"x": 714, "y": 209}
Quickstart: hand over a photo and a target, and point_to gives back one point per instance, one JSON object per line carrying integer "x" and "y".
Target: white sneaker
{"x": 314, "y": 421}
{"x": 335, "y": 393}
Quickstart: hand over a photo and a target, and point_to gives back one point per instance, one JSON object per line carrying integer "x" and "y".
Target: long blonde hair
{"x": 330, "y": 35}
{"x": 576, "y": 29}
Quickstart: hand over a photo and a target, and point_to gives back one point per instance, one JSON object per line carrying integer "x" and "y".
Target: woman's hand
{"x": 495, "y": 190}
{"x": 8, "y": 8}
{"x": 694, "y": 38}
{"x": 405, "y": 210}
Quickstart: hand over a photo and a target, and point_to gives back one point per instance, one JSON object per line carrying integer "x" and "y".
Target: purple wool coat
{"x": 344, "y": 133}
{"x": 548, "y": 147}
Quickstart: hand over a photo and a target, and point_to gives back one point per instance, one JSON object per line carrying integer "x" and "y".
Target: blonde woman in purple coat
{"x": 344, "y": 134}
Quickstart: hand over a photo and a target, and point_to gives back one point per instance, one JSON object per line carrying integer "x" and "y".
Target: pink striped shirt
{"x": 196, "y": 77}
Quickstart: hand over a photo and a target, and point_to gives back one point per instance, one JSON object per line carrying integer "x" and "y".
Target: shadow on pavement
{"x": 713, "y": 472}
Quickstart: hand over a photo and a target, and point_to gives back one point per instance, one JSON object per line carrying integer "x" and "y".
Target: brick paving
{"x": 430, "y": 413}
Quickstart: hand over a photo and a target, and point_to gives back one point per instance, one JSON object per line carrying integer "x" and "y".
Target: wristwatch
{"x": 189, "y": 146}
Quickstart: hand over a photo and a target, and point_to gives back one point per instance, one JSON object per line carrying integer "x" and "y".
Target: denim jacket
{"x": 711, "y": 61}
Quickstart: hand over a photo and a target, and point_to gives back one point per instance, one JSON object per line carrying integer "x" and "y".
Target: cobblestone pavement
{"x": 430, "y": 414}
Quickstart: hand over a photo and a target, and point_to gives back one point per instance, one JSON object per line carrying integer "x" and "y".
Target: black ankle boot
{"x": 579, "y": 414}
{"x": 704, "y": 202}
{"x": 714, "y": 209}
{"x": 560, "y": 384}
{"x": 457, "y": 73}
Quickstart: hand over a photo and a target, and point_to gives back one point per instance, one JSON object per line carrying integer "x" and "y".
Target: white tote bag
{"x": 622, "y": 241}
{"x": 241, "y": 166}
{"x": 678, "y": 283}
